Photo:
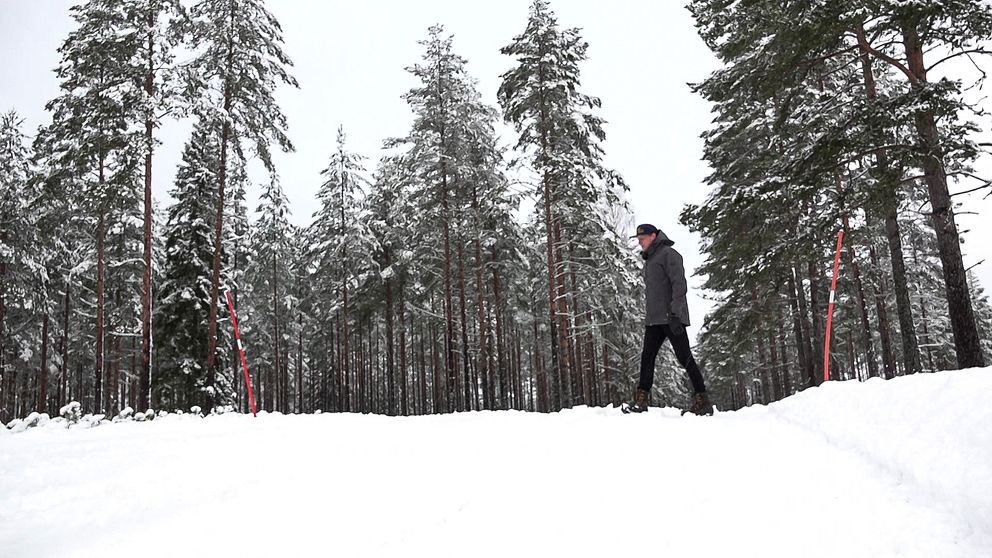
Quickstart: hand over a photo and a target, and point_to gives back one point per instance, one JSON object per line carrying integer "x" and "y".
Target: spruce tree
{"x": 184, "y": 294}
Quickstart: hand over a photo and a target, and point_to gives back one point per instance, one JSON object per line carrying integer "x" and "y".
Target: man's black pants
{"x": 654, "y": 336}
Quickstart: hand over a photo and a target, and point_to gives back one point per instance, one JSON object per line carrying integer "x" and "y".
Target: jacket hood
{"x": 661, "y": 240}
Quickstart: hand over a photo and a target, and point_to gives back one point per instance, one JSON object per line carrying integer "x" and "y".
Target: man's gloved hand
{"x": 675, "y": 325}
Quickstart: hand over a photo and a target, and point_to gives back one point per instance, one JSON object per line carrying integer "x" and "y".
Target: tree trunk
{"x": 6, "y": 388}
{"x": 502, "y": 373}
{"x": 798, "y": 305}
{"x": 580, "y": 383}
{"x": 567, "y": 379}
{"x": 437, "y": 372}
{"x": 480, "y": 302}
{"x": 888, "y": 360}
{"x": 98, "y": 366}
{"x": 966, "y": 339}
{"x": 818, "y": 336}
{"x": 904, "y": 307}
{"x": 544, "y": 402}
{"x": 763, "y": 372}
{"x": 43, "y": 373}
{"x": 423, "y": 376}
{"x": 783, "y": 357}
{"x": 64, "y": 351}
{"x": 146, "y": 296}
{"x": 776, "y": 384}
{"x": 852, "y": 262}
{"x": 401, "y": 307}
{"x": 225, "y": 137}
{"x": 390, "y": 369}
{"x": 890, "y": 210}
{"x": 469, "y": 387}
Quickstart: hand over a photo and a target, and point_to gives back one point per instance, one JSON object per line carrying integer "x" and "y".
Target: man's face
{"x": 645, "y": 240}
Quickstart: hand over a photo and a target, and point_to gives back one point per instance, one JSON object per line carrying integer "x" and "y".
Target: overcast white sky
{"x": 350, "y": 59}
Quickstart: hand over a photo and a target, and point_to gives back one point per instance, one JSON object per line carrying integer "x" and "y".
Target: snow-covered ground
{"x": 898, "y": 468}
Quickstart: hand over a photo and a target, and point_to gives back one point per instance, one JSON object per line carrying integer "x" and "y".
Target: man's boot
{"x": 640, "y": 403}
{"x": 700, "y": 405}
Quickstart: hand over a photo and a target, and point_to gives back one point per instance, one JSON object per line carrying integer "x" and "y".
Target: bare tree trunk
{"x": 966, "y": 339}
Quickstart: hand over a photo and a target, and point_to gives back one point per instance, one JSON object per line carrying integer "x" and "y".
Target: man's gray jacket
{"x": 664, "y": 282}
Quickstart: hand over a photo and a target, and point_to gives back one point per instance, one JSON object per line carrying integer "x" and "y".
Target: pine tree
{"x": 234, "y": 77}
{"x": 274, "y": 306}
{"x": 341, "y": 249}
{"x": 561, "y": 134}
{"x": 94, "y": 135}
{"x": 159, "y": 21}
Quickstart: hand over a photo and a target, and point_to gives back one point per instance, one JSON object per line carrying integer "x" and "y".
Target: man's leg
{"x": 654, "y": 336}
{"x": 680, "y": 344}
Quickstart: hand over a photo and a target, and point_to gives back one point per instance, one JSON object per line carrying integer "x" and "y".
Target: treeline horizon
{"x": 415, "y": 288}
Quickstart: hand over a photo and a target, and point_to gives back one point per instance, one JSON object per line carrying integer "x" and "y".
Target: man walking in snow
{"x": 667, "y": 316}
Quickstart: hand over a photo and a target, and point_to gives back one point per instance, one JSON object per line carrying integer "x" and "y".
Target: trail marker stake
{"x": 830, "y": 309}
{"x": 241, "y": 350}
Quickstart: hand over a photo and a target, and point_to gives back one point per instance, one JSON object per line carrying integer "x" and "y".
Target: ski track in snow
{"x": 898, "y": 468}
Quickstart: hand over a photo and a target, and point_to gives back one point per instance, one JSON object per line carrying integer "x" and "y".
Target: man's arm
{"x": 676, "y": 276}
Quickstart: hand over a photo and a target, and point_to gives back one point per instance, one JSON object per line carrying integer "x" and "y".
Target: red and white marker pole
{"x": 830, "y": 309}
{"x": 241, "y": 350}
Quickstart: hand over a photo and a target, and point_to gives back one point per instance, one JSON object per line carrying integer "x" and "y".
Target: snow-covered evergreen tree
{"x": 23, "y": 277}
{"x": 562, "y": 136}
{"x": 272, "y": 300}
{"x": 340, "y": 253}
{"x": 239, "y": 62}
{"x": 184, "y": 294}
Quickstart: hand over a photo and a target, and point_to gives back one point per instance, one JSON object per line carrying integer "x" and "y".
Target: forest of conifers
{"x": 432, "y": 284}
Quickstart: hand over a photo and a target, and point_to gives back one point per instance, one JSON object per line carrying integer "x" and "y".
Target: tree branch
{"x": 885, "y": 57}
{"x": 956, "y": 54}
